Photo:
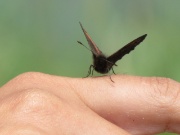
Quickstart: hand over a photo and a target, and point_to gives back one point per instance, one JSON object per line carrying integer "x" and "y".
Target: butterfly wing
{"x": 126, "y": 49}
{"x": 91, "y": 43}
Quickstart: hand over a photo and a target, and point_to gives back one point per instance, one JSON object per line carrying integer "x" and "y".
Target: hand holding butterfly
{"x": 36, "y": 103}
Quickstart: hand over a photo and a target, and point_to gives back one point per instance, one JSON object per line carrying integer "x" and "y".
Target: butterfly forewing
{"x": 91, "y": 43}
{"x": 126, "y": 49}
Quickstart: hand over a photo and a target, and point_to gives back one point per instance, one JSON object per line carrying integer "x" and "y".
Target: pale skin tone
{"x": 41, "y": 104}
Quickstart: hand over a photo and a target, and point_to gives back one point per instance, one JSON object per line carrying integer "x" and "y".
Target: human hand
{"x": 41, "y": 104}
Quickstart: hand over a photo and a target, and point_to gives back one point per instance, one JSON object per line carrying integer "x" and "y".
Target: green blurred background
{"x": 41, "y": 35}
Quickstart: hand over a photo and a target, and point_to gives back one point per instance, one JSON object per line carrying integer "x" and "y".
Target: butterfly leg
{"x": 89, "y": 72}
{"x": 113, "y": 71}
{"x": 111, "y": 79}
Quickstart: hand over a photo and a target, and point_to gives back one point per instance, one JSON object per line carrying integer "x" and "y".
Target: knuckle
{"x": 164, "y": 95}
{"x": 34, "y": 101}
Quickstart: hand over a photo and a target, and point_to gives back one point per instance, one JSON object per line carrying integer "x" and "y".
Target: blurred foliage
{"x": 41, "y": 35}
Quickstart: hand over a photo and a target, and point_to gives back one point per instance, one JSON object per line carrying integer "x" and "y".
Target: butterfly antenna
{"x": 84, "y": 46}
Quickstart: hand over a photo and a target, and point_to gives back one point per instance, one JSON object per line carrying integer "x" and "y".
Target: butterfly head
{"x": 101, "y": 64}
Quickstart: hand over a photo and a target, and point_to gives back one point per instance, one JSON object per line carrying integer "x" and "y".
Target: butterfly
{"x": 103, "y": 64}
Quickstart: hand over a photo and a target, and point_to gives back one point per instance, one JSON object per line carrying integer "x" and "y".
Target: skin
{"x": 41, "y": 104}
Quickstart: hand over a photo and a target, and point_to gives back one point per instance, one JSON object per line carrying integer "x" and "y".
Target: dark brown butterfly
{"x": 103, "y": 64}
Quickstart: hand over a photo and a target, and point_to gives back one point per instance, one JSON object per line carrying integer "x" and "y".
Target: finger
{"x": 139, "y": 105}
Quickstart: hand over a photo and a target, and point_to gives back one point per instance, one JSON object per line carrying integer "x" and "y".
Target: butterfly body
{"x": 103, "y": 64}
